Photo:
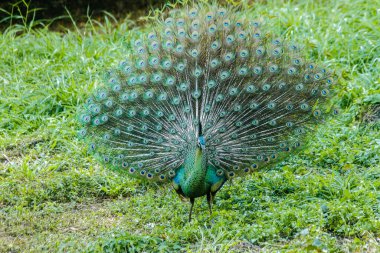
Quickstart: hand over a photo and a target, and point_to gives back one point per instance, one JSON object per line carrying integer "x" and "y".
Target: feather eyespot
{"x": 171, "y": 173}
{"x": 219, "y": 172}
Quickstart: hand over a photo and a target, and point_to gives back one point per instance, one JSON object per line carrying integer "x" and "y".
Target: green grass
{"x": 55, "y": 197}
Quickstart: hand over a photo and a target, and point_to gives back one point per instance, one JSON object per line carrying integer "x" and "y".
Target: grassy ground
{"x": 54, "y": 197}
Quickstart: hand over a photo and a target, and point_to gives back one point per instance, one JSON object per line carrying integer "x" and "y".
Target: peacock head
{"x": 201, "y": 142}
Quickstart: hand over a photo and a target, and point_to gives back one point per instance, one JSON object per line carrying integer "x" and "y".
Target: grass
{"x": 54, "y": 197}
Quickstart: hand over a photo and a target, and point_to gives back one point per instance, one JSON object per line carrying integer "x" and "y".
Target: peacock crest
{"x": 205, "y": 74}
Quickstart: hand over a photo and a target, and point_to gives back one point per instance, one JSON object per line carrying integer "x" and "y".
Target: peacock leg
{"x": 213, "y": 197}
{"x": 191, "y": 208}
{"x": 209, "y": 202}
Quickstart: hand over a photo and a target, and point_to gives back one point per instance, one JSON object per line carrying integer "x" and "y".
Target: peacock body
{"x": 205, "y": 96}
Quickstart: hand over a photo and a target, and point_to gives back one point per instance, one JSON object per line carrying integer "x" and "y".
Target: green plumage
{"x": 205, "y": 96}
{"x": 196, "y": 178}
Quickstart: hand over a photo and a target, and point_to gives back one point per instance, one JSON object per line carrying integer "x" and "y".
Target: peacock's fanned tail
{"x": 207, "y": 66}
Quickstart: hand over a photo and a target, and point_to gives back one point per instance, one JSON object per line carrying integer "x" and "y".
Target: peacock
{"x": 205, "y": 95}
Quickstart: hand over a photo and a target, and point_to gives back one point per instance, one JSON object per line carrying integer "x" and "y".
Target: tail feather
{"x": 205, "y": 68}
